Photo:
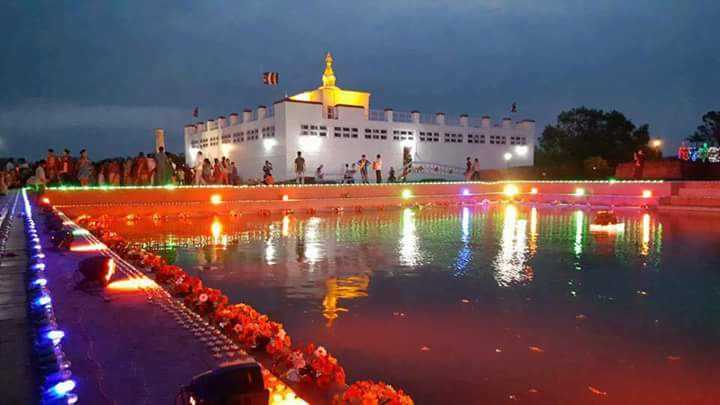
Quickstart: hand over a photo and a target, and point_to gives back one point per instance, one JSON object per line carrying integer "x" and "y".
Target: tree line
{"x": 590, "y": 143}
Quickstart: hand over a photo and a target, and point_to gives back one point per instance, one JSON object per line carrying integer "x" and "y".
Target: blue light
{"x": 39, "y": 256}
{"x": 41, "y": 282}
{"x": 63, "y": 388}
{"x": 38, "y": 266}
{"x": 465, "y": 192}
{"x": 55, "y": 336}
{"x": 42, "y": 301}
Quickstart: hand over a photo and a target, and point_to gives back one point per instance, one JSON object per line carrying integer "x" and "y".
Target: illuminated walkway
{"x": 16, "y": 377}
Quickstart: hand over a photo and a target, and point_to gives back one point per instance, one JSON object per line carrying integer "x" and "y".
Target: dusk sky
{"x": 103, "y": 74}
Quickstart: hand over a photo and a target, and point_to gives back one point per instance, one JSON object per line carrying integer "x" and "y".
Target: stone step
{"x": 694, "y": 201}
{"x": 699, "y": 192}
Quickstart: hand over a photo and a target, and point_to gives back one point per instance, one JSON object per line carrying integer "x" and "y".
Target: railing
{"x": 422, "y": 169}
{"x": 376, "y": 115}
{"x": 475, "y": 122}
{"x": 452, "y": 120}
{"x": 402, "y": 116}
{"x": 427, "y": 118}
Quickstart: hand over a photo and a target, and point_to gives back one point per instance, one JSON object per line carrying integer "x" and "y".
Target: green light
{"x": 80, "y": 232}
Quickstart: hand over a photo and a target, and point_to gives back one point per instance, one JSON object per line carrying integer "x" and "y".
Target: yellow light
{"x": 89, "y": 247}
{"x": 521, "y": 150}
{"x": 216, "y": 229}
{"x": 285, "y": 198}
{"x": 656, "y": 143}
{"x": 111, "y": 269}
{"x": 215, "y": 199}
{"x": 132, "y": 284}
{"x": 647, "y": 193}
{"x": 45, "y": 201}
{"x": 406, "y": 194}
{"x": 534, "y": 190}
{"x": 579, "y": 192}
{"x": 511, "y": 190}
{"x": 507, "y": 156}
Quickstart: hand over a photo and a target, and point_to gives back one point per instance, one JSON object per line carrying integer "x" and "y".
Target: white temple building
{"x": 332, "y": 127}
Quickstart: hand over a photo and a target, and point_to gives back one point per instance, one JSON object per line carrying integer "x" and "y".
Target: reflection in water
{"x": 319, "y": 258}
{"x": 408, "y": 246}
{"x": 342, "y": 287}
{"x": 510, "y": 264}
{"x": 312, "y": 242}
{"x": 465, "y": 253}
{"x": 533, "y": 231}
{"x": 645, "y": 247}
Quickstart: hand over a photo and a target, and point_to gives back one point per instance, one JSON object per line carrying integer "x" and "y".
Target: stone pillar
{"x": 247, "y": 115}
{"x": 464, "y": 120}
{"x": 233, "y": 119}
{"x": 200, "y": 126}
{"x": 389, "y": 115}
{"x": 221, "y": 121}
{"x": 210, "y": 125}
{"x": 506, "y": 123}
{"x": 415, "y": 117}
{"x": 440, "y": 118}
{"x": 485, "y": 121}
{"x": 261, "y": 111}
{"x": 189, "y": 129}
{"x": 159, "y": 138}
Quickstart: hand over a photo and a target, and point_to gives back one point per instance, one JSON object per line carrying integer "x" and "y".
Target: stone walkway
{"x": 124, "y": 349}
{"x": 16, "y": 376}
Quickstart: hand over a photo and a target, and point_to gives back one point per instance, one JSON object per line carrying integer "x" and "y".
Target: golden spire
{"x": 328, "y": 76}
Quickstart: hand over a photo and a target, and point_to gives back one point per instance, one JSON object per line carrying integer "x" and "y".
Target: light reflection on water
{"x": 350, "y": 246}
{"x": 478, "y": 286}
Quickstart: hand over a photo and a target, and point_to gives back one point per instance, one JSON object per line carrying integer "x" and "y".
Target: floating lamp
{"x": 647, "y": 193}
{"x": 465, "y": 192}
{"x": 579, "y": 192}
{"x": 534, "y": 190}
{"x": 511, "y": 190}
{"x": 285, "y": 197}
{"x": 406, "y": 194}
{"x": 215, "y": 199}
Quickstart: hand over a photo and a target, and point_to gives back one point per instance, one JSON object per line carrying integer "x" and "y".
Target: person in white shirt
{"x": 377, "y": 166}
{"x": 39, "y": 180}
{"x": 199, "y": 169}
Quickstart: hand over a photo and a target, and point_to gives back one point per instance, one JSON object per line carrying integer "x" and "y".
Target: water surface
{"x": 479, "y": 304}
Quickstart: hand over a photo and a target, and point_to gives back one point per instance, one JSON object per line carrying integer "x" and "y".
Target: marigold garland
{"x": 249, "y": 328}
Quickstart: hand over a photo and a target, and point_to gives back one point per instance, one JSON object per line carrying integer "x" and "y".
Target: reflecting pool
{"x": 479, "y": 304}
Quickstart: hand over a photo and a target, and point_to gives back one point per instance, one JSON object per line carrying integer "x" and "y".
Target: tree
{"x": 596, "y": 167}
{"x": 582, "y": 133}
{"x": 709, "y": 131}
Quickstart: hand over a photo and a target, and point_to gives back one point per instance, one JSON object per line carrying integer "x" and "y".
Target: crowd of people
{"x": 161, "y": 168}
{"x": 158, "y": 168}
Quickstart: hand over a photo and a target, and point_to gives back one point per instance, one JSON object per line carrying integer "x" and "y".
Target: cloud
{"x": 40, "y": 115}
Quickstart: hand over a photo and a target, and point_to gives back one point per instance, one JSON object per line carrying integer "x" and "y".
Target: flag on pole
{"x": 271, "y": 78}
{"x": 196, "y": 111}
{"x": 514, "y": 107}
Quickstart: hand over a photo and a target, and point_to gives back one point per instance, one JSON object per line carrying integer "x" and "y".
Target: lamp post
{"x": 507, "y": 156}
{"x": 657, "y": 145}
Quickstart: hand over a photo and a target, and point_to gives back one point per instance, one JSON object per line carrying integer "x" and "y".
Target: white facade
{"x": 333, "y": 135}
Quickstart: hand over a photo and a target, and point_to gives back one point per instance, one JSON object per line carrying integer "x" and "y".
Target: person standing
{"x": 198, "y": 175}
{"x": 299, "y": 169}
{"x": 51, "y": 164}
{"x": 40, "y": 179}
{"x": 363, "y": 164}
{"x": 234, "y": 178}
{"x": 476, "y": 170}
{"x": 161, "y": 167}
{"x": 66, "y": 167}
{"x": 391, "y": 177}
{"x": 152, "y": 170}
{"x": 84, "y": 168}
{"x": 319, "y": 174}
{"x": 377, "y": 166}
{"x": 142, "y": 171}
{"x": 468, "y": 169}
